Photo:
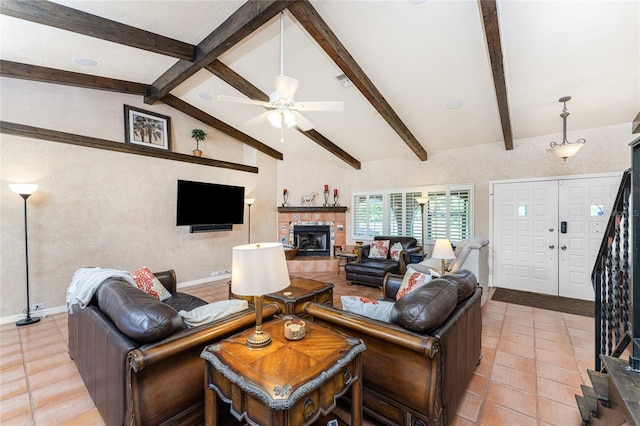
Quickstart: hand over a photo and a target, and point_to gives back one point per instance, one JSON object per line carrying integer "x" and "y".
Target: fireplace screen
{"x": 312, "y": 240}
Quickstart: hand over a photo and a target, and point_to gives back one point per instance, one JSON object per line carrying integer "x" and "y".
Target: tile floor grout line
{"x": 26, "y": 378}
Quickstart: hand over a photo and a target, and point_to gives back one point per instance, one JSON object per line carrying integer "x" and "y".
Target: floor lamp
{"x": 423, "y": 202}
{"x": 249, "y": 201}
{"x": 25, "y": 190}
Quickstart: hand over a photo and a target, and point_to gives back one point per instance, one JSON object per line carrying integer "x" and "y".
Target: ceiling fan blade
{"x": 286, "y": 87}
{"x": 225, "y": 98}
{"x": 319, "y": 106}
{"x": 258, "y": 119}
{"x": 302, "y": 122}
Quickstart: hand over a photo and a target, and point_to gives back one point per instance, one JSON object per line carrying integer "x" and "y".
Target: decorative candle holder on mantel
{"x": 326, "y": 199}
{"x": 285, "y": 197}
{"x": 335, "y": 198}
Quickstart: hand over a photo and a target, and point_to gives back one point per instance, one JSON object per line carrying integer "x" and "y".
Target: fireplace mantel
{"x": 295, "y": 209}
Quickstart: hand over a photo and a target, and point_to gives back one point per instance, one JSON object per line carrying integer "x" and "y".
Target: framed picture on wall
{"x": 147, "y": 128}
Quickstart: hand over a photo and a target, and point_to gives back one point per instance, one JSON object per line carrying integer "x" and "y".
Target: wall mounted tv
{"x": 208, "y": 206}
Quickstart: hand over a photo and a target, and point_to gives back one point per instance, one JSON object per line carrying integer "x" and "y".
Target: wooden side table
{"x": 288, "y": 383}
{"x": 347, "y": 257}
{"x": 292, "y": 299}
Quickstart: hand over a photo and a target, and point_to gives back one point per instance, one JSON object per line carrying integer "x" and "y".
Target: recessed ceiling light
{"x": 453, "y": 104}
{"x": 205, "y": 96}
{"x": 85, "y": 62}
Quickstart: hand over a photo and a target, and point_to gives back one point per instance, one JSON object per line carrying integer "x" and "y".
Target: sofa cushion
{"x": 412, "y": 280}
{"x": 379, "y": 249}
{"x": 138, "y": 315}
{"x": 396, "y": 250}
{"x": 427, "y": 307}
{"x": 147, "y": 282}
{"x": 213, "y": 311}
{"x": 376, "y": 309}
{"x": 377, "y": 268}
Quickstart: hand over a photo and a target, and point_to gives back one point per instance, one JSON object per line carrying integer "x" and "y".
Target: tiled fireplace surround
{"x": 335, "y": 217}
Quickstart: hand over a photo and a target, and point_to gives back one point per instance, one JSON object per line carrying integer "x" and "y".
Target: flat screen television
{"x": 202, "y": 205}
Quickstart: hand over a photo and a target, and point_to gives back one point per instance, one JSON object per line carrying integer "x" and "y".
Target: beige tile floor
{"x": 534, "y": 361}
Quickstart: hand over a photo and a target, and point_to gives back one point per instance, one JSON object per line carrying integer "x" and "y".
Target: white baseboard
{"x": 42, "y": 314}
{"x": 204, "y": 280}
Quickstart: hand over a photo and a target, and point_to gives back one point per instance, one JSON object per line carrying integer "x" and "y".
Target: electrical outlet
{"x": 216, "y": 273}
{"x": 37, "y": 306}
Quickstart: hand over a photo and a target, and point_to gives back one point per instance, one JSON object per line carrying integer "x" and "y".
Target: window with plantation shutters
{"x": 388, "y": 212}
{"x": 448, "y": 214}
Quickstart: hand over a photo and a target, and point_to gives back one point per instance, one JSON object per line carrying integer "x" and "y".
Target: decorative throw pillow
{"x": 412, "y": 280}
{"x": 213, "y": 311}
{"x": 147, "y": 282}
{"x": 396, "y": 249}
{"x": 379, "y": 249}
{"x": 376, "y": 309}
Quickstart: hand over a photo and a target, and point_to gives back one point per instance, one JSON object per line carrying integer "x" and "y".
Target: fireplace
{"x": 312, "y": 240}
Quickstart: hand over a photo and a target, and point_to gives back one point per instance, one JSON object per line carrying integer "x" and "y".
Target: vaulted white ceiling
{"x": 421, "y": 55}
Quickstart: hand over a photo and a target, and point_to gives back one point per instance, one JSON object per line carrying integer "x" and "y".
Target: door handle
{"x": 551, "y": 246}
{"x": 563, "y": 247}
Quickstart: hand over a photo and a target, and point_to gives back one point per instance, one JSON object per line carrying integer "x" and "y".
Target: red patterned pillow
{"x": 147, "y": 282}
{"x": 412, "y": 280}
{"x": 379, "y": 249}
{"x": 396, "y": 249}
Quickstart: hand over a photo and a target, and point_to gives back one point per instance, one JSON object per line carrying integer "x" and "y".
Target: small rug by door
{"x": 544, "y": 301}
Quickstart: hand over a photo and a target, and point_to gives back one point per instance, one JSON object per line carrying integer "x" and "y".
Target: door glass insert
{"x": 597, "y": 209}
{"x": 523, "y": 210}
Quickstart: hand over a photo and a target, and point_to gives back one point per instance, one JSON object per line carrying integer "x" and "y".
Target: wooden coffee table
{"x": 292, "y": 299}
{"x": 290, "y": 382}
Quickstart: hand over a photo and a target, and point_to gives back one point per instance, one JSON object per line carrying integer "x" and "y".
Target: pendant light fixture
{"x": 565, "y": 149}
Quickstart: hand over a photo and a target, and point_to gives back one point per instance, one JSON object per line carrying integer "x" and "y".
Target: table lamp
{"x": 443, "y": 251}
{"x": 256, "y": 270}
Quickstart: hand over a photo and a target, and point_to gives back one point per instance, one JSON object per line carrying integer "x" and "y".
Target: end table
{"x": 288, "y": 383}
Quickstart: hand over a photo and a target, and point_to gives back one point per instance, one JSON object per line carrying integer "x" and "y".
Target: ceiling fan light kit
{"x": 282, "y": 108}
{"x": 565, "y": 149}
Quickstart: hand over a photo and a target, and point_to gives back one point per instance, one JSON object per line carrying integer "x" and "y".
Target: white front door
{"x": 533, "y": 251}
{"x": 585, "y": 207}
{"x": 525, "y": 237}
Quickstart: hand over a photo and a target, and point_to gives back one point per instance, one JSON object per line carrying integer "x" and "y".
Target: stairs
{"x": 614, "y": 398}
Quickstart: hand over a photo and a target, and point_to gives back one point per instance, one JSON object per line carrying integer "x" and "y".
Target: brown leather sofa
{"x": 413, "y": 377}
{"x": 156, "y": 376}
{"x": 371, "y": 271}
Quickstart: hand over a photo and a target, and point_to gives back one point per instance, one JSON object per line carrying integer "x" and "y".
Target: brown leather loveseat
{"x": 139, "y": 362}
{"x": 416, "y": 377}
{"x": 371, "y": 271}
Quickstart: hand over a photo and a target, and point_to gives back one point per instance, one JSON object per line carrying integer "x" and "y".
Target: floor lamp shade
{"x": 256, "y": 270}
{"x": 25, "y": 190}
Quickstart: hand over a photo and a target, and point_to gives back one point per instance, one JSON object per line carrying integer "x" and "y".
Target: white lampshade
{"x": 565, "y": 150}
{"x": 24, "y": 188}
{"x": 249, "y": 201}
{"x": 422, "y": 200}
{"x": 259, "y": 269}
{"x": 443, "y": 250}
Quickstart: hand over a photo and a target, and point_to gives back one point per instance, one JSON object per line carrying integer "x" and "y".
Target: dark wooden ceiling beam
{"x": 66, "y": 18}
{"x": 244, "y": 21}
{"x": 235, "y": 80}
{"x": 51, "y": 75}
{"x": 205, "y": 118}
{"x": 313, "y": 23}
{"x": 489, "y": 11}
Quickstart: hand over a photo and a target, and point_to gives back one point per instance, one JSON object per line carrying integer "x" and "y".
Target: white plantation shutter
{"x": 413, "y": 216}
{"x": 395, "y": 214}
{"x": 459, "y": 214}
{"x": 376, "y": 224}
{"x": 360, "y": 219}
{"x": 436, "y": 212}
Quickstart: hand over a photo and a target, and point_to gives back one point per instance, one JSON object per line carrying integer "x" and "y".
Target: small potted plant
{"x": 199, "y": 135}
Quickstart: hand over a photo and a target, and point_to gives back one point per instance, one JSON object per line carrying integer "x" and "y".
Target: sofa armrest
{"x": 363, "y": 252}
{"x": 390, "y": 286}
{"x": 168, "y": 279}
{"x": 165, "y": 377}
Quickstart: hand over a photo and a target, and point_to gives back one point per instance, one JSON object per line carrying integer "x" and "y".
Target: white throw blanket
{"x": 85, "y": 282}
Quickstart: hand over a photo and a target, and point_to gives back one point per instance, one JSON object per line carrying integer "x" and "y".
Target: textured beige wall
{"x": 100, "y": 208}
{"x": 606, "y": 150}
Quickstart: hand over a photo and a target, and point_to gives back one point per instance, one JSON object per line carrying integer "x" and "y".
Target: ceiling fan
{"x": 283, "y": 110}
